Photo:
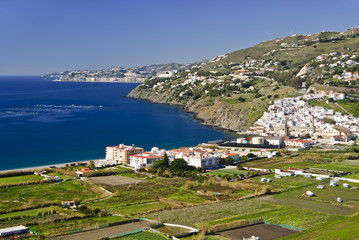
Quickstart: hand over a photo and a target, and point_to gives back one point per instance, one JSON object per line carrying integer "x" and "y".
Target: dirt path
{"x": 105, "y": 232}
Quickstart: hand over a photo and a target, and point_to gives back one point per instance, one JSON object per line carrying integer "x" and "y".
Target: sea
{"x": 44, "y": 122}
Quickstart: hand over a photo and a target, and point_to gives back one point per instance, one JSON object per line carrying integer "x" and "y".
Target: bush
{"x": 241, "y": 99}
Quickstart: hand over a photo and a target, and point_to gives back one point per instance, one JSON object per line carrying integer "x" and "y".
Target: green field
{"x": 309, "y": 204}
{"x": 227, "y": 171}
{"x": 329, "y": 194}
{"x": 142, "y": 236}
{"x": 283, "y": 183}
{"x": 283, "y": 215}
{"x": 63, "y": 227}
{"x": 150, "y": 195}
{"x": 62, "y": 176}
{"x": 33, "y": 195}
{"x": 20, "y": 179}
{"x": 341, "y": 228}
{"x": 195, "y": 215}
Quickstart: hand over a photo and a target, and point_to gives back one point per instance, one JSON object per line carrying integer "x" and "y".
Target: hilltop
{"x": 232, "y": 91}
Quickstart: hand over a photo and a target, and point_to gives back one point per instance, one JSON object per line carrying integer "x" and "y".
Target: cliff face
{"x": 212, "y": 111}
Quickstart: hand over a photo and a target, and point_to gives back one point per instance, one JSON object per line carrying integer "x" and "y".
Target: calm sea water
{"x": 44, "y": 122}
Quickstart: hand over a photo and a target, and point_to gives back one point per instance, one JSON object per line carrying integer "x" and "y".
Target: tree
{"x": 178, "y": 164}
{"x": 159, "y": 164}
{"x": 240, "y": 167}
{"x": 166, "y": 161}
{"x": 91, "y": 165}
{"x": 229, "y": 161}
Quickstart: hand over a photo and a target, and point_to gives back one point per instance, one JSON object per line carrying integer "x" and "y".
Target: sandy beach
{"x": 59, "y": 165}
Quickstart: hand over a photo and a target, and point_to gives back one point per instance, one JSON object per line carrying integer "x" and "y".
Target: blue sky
{"x": 40, "y": 36}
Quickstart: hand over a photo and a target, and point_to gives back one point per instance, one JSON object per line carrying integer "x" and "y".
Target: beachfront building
{"x": 198, "y": 157}
{"x": 146, "y": 159}
{"x": 121, "y": 153}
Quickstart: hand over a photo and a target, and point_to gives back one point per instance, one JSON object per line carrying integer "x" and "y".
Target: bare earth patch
{"x": 263, "y": 231}
{"x": 114, "y": 180}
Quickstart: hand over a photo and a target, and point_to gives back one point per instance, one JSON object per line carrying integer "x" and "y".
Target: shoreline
{"x": 183, "y": 108}
{"x": 93, "y": 82}
{"x": 57, "y": 165}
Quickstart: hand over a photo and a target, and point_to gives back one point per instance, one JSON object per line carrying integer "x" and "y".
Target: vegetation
{"x": 210, "y": 201}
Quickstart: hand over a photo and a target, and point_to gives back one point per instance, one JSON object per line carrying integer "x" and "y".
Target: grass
{"x": 193, "y": 216}
{"x": 336, "y": 161}
{"x": 62, "y": 176}
{"x": 352, "y": 176}
{"x": 330, "y": 105}
{"x": 283, "y": 215}
{"x": 60, "y": 228}
{"x": 30, "y": 213}
{"x": 20, "y": 179}
{"x": 341, "y": 228}
{"x": 330, "y": 194}
{"x": 172, "y": 231}
{"x": 283, "y": 183}
{"x": 227, "y": 171}
{"x": 148, "y": 196}
{"x": 351, "y": 107}
{"x": 142, "y": 236}
{"x": 33, "y": 195}
{"x": 310, "y": 204}
{"x": 137, "y": 209}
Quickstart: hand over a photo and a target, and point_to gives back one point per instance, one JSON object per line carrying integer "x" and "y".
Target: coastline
{"x": 194, "y": 115}
{"x": 58, "y": 165}
{"x": 94, "y": 82}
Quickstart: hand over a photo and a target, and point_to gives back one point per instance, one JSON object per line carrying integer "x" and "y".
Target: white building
{"x": 146, "y": 159}
{"x": 166, "y": 74}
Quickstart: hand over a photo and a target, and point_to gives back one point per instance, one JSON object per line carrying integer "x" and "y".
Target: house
{"x": 166, "y": 74}
{"x": 320, "y": 187}
{"x": 297, "y": 171}
{"x": 121, "y": 153}
{"x": 298, "y": 143}
{"x": 83, "y": 172}
{"x": 68, "y": 204}
{"x": 264, "y": 179}
{"x": 336, "y": 139}
{"x": 309, "y": 193}
{"x": 278, "y": 170}
{"x": 333, "y": 183}
{"x": 286, "y": 173}
{"x": 346, "y": 185}
{"x": 143, "y": 161}
{"x": 234, "y": 156}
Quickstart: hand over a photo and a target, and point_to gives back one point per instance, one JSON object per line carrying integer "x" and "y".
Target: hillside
{"x": 232, "y": 91}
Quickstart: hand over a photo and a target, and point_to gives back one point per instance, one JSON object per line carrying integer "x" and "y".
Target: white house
{"x": 234, "y": 156}
{"x": 166, "y": 74}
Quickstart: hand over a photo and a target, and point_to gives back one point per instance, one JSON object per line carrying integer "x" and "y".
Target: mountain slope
{"x": 232, "y": 91}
